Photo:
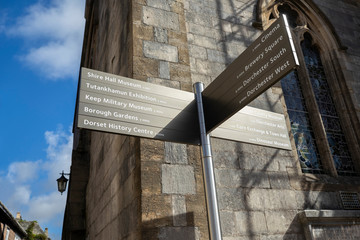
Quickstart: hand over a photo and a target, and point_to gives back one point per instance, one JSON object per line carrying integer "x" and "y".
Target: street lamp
{"x": 62, "y": 181}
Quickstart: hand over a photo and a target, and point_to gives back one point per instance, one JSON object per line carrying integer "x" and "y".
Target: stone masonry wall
{"x": 113, "y": 194}
{"x": 147, "y": 189}
{"x": 113, "y": 190}
{"x": 257, "y": 197}
{"x": 256, "y": 191}
{"x": 172, "y": 203}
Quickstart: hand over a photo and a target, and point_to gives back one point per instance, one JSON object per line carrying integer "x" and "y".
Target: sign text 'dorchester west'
{"x": 263, "y": 63}
{"x": 117, "y": 104}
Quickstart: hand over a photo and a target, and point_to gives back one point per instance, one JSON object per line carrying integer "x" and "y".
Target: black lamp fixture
{"x": 62, "y": 181}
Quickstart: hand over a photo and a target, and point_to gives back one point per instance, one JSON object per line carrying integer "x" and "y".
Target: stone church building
{"x": 125, "y": 187}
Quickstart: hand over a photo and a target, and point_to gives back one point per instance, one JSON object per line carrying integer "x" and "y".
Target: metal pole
{"x": 208, "y": 169}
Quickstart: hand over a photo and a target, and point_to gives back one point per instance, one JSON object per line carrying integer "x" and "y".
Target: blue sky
{"x": 40, "y": 48}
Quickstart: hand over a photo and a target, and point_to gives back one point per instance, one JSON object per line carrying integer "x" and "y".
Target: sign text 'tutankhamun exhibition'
{"x": 116, "y": 104}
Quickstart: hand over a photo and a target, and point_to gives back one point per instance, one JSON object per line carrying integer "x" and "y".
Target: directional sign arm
{"x": 262, "y": 64}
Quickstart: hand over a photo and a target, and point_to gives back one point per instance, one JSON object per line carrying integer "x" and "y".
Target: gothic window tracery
{"x": 321, "y": 145}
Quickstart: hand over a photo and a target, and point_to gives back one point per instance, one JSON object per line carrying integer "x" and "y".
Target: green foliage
{"x": 31, "y": 235}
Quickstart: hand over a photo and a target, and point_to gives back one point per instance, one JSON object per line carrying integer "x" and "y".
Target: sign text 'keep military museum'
{"x": 117, "y": 104}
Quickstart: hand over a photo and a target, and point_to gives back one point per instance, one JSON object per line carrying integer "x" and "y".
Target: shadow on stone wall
{"x": 162, "y": 228}
{"x": 295, "y": 230}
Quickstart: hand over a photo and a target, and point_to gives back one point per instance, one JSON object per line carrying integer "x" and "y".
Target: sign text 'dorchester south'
{"x": 262, "y": 64}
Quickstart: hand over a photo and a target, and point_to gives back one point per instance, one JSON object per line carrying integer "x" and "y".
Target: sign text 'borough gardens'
{"x": 117, "y": 104}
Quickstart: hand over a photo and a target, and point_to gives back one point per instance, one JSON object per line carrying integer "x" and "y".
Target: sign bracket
{"x": 208, "y": 169}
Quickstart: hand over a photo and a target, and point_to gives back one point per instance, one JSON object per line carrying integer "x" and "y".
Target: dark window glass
{"x": 329, "y": 116}
{"x": 300, "y": 125}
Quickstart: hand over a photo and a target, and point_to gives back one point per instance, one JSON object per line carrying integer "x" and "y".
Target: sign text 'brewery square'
{"x": 117, "y": 104}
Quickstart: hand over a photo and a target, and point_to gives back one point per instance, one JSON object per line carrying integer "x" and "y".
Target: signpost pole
{"x": 208, "y": 169}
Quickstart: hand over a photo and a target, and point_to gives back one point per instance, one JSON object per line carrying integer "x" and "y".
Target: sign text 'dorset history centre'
{"x": 117, "y": 104}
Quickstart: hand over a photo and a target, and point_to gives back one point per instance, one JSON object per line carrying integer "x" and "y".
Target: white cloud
{"x": 20, "y": 195}
{"x": 45, "y": 207}
{"x": 20, "y": 191}
{"x": 55, "y": 60}
{"x": 60, "y": 20}
{"x": 22, "y": 172}
{"x": 56, "y": 31}
{"x": 58, "y": 153}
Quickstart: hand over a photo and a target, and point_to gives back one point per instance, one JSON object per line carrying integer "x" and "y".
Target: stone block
{"x": 186, "y": 86}
{"x": 233, "y": 178}
{"x": 156, "y": 210}
{"x": 166, "y": 83}
{"x": 145, "y": 67}
{"x": 202, "y": 41}
{"x": 197, "y": 52}
{"x": 160, "y": 51}
{"x": 151, "y": 150}
{"x": 138, "y": 47}
{"x": 143, "y": 32}
{"x": 196, "y": 210}
{"x": 164, "y": 70}
{"x": 180, "y": 72}
{"x": 176, "y": 6}
{"x": 150, "y": 178}
{"x": 282, "y": 158}
{"x": 179, "y": 233}
{"x": 178, "y": 179}
{"x": 231, "y": 199}
{"x": 179, "y": 210}
{"x": 209, "y": 68}
{"x": 232, "y": 49}
{"x": 182, "y": 22}
{"x": 225, "y": 26}
{"x": 281, "y": 222}
{"x": 177, "y": 38}
{"x": 203, "y": 31}
{"x": 250, "y": 222}
{"x": 175, "y": 153}
{"x": 193, "y": 64}
{"x": 160, "y": 35}
{"x": 260, "y": 199}
{"x": 184, "y": 58}
{"x": 257, "y": 159}
{"x": 160, "y": 18}
{"x": 318, "y": 200}
{"x": 201, "y": 8}
{"x": 225, "y": 154}
{"x": 227, "y": 221}
{"x": 282, "y": 237}
{"x": 161, "y": 4}
{"x": 216, "y": 56}
{"x": 242, "y": 238}
{"x": 199, "y": 19}
{"x": 137, "y": 13}
{"x": 279, "y": 180}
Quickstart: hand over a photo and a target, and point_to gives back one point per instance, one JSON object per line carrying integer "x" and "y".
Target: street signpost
{"x": 268, "y": 59}
{"x": 246, "y": 78}
{"x": 171, "y": 119}
{"x": 256, "y": 126}
{"x": 116, "y": 104}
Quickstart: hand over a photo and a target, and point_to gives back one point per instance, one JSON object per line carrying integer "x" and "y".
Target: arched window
{"x": 321, "y": 142}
